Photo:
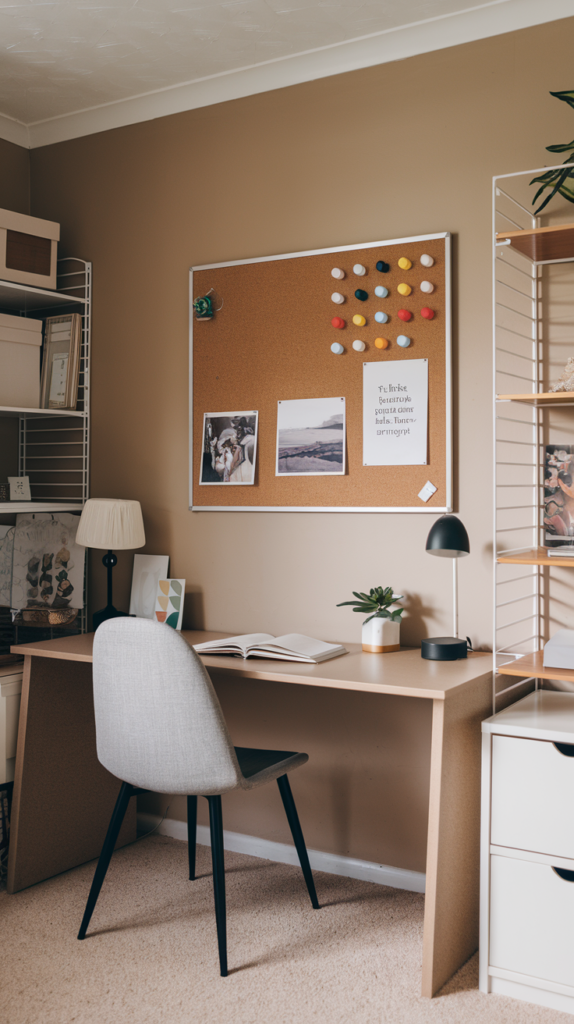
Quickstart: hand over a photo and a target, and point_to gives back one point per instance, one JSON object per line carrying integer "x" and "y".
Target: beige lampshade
{"x": 113, "y": 524}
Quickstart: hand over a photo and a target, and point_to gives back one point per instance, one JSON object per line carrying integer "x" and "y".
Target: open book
{"x": 291, "y": 647}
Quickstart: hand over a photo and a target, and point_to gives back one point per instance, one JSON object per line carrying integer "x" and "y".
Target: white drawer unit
{"x": 527, "y": 851}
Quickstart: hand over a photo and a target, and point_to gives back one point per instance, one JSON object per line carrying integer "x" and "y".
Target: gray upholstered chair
{"x": 159, "y": 727}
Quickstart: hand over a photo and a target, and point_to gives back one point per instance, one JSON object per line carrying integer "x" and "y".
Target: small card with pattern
{"x": 169, "y": 602}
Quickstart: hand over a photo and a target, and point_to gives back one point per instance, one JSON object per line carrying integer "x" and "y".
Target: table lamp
{"x": 110, "y": 523}
{"x": 448, "y": 539}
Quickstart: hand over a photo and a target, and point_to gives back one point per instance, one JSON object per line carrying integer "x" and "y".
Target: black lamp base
{"x": 444, "y": 648}
{"x": 109, "y": 612}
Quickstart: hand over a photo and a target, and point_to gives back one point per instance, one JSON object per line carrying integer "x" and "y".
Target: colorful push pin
{"x": 404, "y": 263}
{"x": 338, "y": 321}
{"x": 403, "y": 341}
{"x": 404, "y": 289}
{"x": 359, "y": 346}
{"x": 383, "y": 267}
{"x": 337, "y": 297}
{"x": 427, "y": 313}
{"x": 361, "y": 295}
{"x": 359, "y": 270}
{"x": 427, "y": 261}
{"x": 403, "y": 314}
{"x": 381, "y": 292}
{"x": 381, "y": 343}
{"x": 358, "y": 320}
{"x": 381, "y": 318}
{"x": 337, "y": 273}
{"x": 427, "y": 287}
{"x": 337, "y": 348}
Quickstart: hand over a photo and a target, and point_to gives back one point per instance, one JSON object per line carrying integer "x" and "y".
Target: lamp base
{"x": 443, "y": 648}
{"x": 109, "y": 612}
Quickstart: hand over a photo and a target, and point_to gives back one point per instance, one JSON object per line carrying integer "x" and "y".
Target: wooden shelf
{"x": 542, "y": 245}
{"x": 13, "y": 410}
{"x": 531, "y": 665}
{"x": 26, "y": 297}
{"x": 543, "y": 398}
{"x": 535, "y": 556}
{"x": 40, "y": 506}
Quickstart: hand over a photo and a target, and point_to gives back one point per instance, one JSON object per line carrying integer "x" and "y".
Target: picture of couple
{"x": 559, "y": 495}
{"x": 229, "y": 447}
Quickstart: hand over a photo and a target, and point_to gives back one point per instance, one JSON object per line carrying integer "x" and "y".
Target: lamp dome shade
{"x": 448, "y": 538}
{"x": 113, "y": 524}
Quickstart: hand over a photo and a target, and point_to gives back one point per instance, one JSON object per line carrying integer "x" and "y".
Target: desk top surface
{"x": 402, "y": 673}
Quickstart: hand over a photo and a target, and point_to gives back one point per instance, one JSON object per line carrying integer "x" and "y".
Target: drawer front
{"x": 531, "y": 914}
{"x": 532, "y": 797}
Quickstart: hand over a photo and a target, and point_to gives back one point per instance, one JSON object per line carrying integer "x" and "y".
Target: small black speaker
{"x": 444, "y": 648}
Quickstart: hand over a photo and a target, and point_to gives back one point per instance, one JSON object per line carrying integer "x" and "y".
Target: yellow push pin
{"x": 404, "y": 263}
{"x": 358, "y": 320}
{"x": 381, "y": 343}
{"x": 404, "y": 289}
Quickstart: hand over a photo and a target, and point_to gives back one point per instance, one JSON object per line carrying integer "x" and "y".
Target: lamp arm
{"x": 109, "y": 560}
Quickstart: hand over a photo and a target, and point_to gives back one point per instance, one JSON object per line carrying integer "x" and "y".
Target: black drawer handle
{"x": 564, "y": 873}
{"x": 565, "y": 748}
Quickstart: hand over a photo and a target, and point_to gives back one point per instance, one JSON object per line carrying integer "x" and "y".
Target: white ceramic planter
{"x": 381, "y": 636}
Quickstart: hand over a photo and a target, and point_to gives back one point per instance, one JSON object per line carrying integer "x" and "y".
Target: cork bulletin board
{"x": 270, "y": 341}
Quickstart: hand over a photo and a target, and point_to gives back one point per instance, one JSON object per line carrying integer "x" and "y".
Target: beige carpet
{"x": 152, "y": 954}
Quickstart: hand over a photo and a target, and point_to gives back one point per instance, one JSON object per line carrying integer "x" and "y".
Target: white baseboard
{"x": 283, "y": 853}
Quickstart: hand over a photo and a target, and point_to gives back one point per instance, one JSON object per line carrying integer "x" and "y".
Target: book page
{"x": 244, "y": 641}
{"x": 304, "y": 645}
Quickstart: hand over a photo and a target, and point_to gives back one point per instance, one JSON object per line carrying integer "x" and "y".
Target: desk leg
{"x": 453, "y": 846}
{"x": 63, "y": 797}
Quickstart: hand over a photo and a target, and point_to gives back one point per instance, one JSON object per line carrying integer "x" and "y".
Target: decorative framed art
{"x": 61, "y": 362}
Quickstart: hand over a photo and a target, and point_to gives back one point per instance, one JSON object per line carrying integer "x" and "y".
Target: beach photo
{"x": 229, "y": 448}
{"x": 311, "y": 437}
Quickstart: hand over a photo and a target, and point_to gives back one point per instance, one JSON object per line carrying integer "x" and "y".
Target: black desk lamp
{"x": 448, "y": 539}
{"x": 110, "y": 523}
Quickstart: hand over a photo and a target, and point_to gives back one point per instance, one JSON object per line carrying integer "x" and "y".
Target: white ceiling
{"x": 61, "y": 57}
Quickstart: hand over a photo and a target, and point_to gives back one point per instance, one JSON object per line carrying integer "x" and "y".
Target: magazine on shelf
{"x": 559, "y": 499}
{"x": 291, "y": 647}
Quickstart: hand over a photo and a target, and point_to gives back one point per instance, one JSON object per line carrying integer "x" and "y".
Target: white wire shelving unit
{"x": 533, "y": 270}
{"x": 53, "y": 445}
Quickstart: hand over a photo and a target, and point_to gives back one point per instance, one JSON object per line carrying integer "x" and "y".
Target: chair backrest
{"x": 159, "y": 724}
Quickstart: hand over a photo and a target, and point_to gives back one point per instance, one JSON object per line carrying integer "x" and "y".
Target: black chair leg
{"x": 126, "y": 792}
{"x": 296, "y": 832}
{"x": 217, "y": 859}
{"x": 191, "y": 834}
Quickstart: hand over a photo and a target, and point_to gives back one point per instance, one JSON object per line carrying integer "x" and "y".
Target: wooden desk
{"x": 63, "y": 797}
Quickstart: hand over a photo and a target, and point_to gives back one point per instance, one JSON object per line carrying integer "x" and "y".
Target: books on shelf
{"x": 291, "y": 647}
{"x": 566, "y": 551}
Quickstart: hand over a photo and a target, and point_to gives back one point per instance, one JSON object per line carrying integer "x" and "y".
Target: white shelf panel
{"x": 12, "y": 410}
{"x": 26, "y": 297}
{"x": 40, "y": 506}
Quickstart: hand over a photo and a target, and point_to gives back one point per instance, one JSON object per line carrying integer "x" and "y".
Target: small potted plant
{"x": 382, "y": 627}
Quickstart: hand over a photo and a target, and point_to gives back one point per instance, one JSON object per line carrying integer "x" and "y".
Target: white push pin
{"x": 427, "y": 287}
{"x": 337, "y": 348}
{"x": 381, "y": 292}
{"x": 427, "y": 261}
{"x": 338, "y": 274}
{"x": 359, "y": 346}
{"x": 337, "y": 297}
{"x": 381, "y": 318}
{"x": 359, "y": 270}
{"x": 403, "y": 341}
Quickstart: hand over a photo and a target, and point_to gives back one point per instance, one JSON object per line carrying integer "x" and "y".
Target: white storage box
{"x": 20, "y": 345}
{"x": 10, "y": 691}
{"x": 28, "y": 249}
{"x": 559, "y": 651}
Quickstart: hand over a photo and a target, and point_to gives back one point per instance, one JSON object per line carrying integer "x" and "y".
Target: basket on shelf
{"x": 49, "y": 616}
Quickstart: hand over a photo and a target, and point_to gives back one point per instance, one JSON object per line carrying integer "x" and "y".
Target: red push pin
{"x": 403, "y": 314}
{"x": 338, "y": 321}
{"x": 427, "y": 313}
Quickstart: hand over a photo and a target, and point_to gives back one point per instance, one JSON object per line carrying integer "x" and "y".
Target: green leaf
{"x": 567, "y": 96}
{"x": 562, "y": 178}
{"x": 561, "y": 147}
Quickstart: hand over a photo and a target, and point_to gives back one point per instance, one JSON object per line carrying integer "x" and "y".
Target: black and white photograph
{"x": 229, "y": 448}
{"x": 311, "y": 437}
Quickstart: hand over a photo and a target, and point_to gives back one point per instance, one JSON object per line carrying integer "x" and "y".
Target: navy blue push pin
{"x": 383, "y": 267}
{"x": 361, "y": 295}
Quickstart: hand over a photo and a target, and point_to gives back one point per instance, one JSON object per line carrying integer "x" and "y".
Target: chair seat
{"x": 259, "y": 766}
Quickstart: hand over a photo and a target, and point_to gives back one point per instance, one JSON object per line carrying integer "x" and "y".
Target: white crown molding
{"x": 14, "y": 131}
{"x": 283, "y": 853}
{"x": 496, "y": 18}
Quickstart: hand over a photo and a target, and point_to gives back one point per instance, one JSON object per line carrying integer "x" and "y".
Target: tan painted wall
{"x": 389, "y": 151}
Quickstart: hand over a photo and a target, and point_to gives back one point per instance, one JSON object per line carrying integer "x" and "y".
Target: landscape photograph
{"x": 311, "y": 437}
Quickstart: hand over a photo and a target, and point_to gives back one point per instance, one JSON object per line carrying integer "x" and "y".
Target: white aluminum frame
{"x": 448, "y": 380}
